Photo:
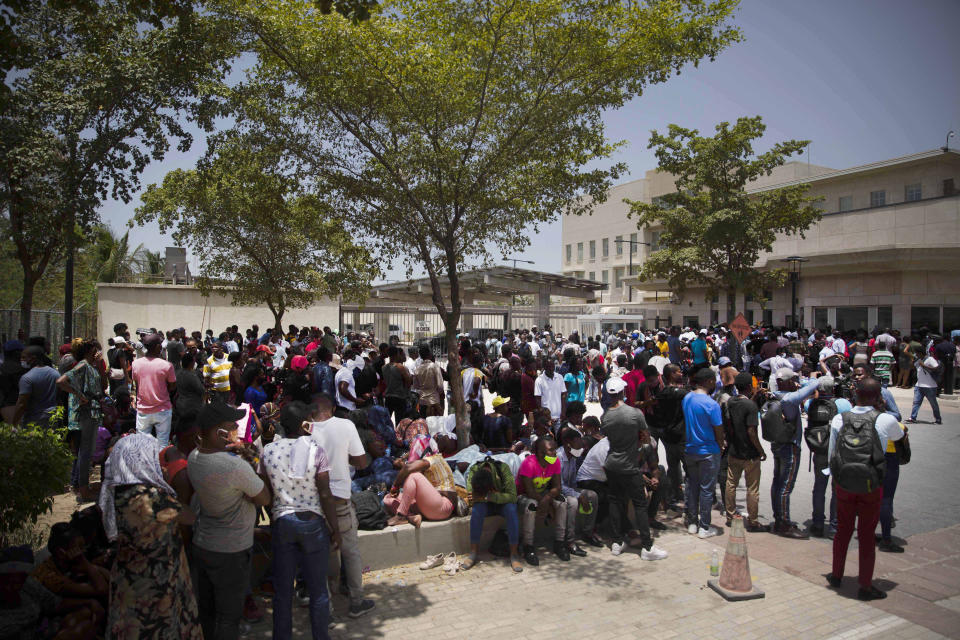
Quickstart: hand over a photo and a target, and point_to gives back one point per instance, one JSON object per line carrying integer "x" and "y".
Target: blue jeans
{"x": 304, "y": 545}
{"x": 159, "y": 421}
{"x": 482, "y": 510}
{"x": 889, "y": 489}
{"x": 919, "y": 393}
{"x": 786, "y": 463}
{"x": 701, "y": 477}
{"x": 820, "y": 483}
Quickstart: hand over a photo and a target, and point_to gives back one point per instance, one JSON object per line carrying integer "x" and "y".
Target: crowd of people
{"x": 219, "y": 453}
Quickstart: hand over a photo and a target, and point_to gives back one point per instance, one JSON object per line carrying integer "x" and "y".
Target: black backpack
{"x": 858, "y": 463}
{"x": 370, "y": 513}
{"x": 493, "y": 382}
{"x": 525, "y": 351}
{"x": 773, "y": 426}
{"x": 819, "y": 416}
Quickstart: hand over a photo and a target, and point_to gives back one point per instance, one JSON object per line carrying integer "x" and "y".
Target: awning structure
{"x": 493, "y": 284}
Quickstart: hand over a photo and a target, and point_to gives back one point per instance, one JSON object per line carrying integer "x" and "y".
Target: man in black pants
{"x": 669, "y": 417}
{"x": 622, "y": 425}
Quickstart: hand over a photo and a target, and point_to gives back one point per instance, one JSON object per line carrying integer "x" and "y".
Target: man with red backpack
{"x": 858, "y": 439}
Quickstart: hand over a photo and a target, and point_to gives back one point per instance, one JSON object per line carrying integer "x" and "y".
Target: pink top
{"x": 530, "y": 467}
{"x": 152, "y": 376}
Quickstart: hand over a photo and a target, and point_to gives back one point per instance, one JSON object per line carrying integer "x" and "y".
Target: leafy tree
{"x": 454, "y": 128}
{"x": 117, "y": 262}
{"x": 97, "y": 93}
{"x": 714, "y": 232}
{"x": 259, "y": 235}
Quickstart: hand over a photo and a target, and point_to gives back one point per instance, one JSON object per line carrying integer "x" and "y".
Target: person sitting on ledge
{"x": 428, "y": 487}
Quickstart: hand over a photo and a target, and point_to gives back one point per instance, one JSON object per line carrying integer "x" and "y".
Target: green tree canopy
{"x": 454, "y": 128}
{"x": 714, "y": 232}
{"x": 97, "y": 92}
{"x": 258, "y": 234}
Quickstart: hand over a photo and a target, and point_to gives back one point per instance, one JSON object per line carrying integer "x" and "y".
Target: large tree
{"x": 455, "y": 128}
{"x": 98, "y": 91}
{"x": 260, "y": 235}
{"x": 713, "y": 230}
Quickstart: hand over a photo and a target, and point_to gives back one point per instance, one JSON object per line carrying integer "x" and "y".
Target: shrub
{"x": 35, "y": 465}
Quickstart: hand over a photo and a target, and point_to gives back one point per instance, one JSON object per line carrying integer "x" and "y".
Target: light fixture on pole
{"x": 794, "y": 263}
{"x": 513, "y": 299}
{"x": 630, "y": 268}
{"x": 946, "y": 145}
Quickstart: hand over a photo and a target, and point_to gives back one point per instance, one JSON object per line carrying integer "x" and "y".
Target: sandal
{"x": 415, "y": 520}
{"x": 397, "y": 520}
{"x": 516, "y": 564}
{"x": 469, "y": 563}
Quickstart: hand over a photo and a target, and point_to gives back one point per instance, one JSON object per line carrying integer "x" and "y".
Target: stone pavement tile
{"x": 950, "y": 603}
{"x": 928, "y": 614}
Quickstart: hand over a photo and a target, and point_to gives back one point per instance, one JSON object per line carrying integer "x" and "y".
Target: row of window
{"x": 618, "y": 242}
{"x": 911, "y": 193}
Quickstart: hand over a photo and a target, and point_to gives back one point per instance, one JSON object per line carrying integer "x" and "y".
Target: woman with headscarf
{"x": 150, "y": 590}
{"x": 427, "y": 482}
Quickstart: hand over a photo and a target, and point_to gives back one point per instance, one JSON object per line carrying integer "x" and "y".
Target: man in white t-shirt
{"x": 346, "y": 385}
{"x": 864, "y": 508}
{"x": 550, "y": 391}
{"x": 340, "y": 441}
{"x": 926, "y": 387}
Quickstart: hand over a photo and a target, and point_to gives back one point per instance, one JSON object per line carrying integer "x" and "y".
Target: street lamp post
{"x": 630, "y": 268}
{"x": 794, "y": 263}
{"x": 513, "y": 299}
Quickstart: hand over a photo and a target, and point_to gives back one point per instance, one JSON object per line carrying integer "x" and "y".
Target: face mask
{"x": 576, "y": 453}
{"x": 24, "y": 364}
{"x": 550, "y": 459}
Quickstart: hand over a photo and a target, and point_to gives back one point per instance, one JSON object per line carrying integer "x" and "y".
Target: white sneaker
{"x": 616, "y": 548}
{"x": 709, "y": 532}
{"x": 692, "y": 529}
{"x": 653, "y": 553}
{"x": 451, "y": 564}
{"x": 431, "y": 562}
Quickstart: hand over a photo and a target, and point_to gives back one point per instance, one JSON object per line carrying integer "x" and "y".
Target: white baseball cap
{"x": 786, "y": 373}
{"x": 615, "y": 385}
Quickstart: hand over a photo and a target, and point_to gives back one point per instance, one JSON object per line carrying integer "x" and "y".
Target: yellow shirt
{"x": 218, "y": 373}
{"x": 664, "y": 348}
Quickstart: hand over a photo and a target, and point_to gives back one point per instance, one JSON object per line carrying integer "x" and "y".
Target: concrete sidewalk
{"x": 602, "y": 596}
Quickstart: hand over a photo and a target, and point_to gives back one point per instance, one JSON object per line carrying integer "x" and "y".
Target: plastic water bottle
{"x": 715, "y": 563}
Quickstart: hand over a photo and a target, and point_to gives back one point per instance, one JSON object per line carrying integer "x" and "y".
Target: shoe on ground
{"x": 816, "y": 530}
{"x": 791, "y": 531}
{"x": 708, "y": 532}
{"x": 561, "y": 551}
{"x": 834, "y": 581}
{"x": 593, "y": 540}
{"x": 576, "y": 550}
{"x": 616, "y": 548}
{"x": 940, "y": 422}
{"x": 530, "y": 555}
{"x": 910, "y": 421}
{"x": 889, "y": 546}
{"x": 653, "y": 553}
{"x": 361, "y": 608}
{"x": 303, "y": 597}
{"x": 657, "y": 525}
{"x": 692, "y": 529}
{"x": 516, "y": 564}
{"x": 871, "y": 593}
{"x": 756, "y": 527}
{"x": 450, "y": 563}
{"x": 431, "y": 562}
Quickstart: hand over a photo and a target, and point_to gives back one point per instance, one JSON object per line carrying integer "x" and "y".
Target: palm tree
{"x": 115, "y": 262}
{"x": 154, "y": 265}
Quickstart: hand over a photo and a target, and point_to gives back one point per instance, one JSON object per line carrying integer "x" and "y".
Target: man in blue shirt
{"x": 705, "y": 440}
{"x": 786, "y": 457}
{"x": 698, "y": 347}
{"x": 673, "y": 343}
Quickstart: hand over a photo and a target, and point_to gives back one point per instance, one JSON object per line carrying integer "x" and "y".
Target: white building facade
{"x": 885, "y": 254}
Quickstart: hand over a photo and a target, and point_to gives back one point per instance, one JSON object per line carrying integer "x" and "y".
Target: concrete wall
{"x": 170, "y": 306}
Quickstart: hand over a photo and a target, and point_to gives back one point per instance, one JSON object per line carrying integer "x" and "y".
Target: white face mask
{"x": 576, "y": 453}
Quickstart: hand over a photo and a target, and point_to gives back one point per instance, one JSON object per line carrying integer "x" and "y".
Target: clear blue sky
{"x": 864, "y": 80}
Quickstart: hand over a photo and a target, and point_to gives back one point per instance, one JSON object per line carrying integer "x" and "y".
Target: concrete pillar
{"x": 466, "y": 317}
{"x": 541, "y": 303}
{"x": 381, "y": 326}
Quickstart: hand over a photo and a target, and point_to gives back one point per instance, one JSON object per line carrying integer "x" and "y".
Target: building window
{"x": 618, "y": 277}
{"x": 593, "y": 249}
{"x": 851, "y": 319}
{"x": 658, "y": 201}
{"x": 619, "y": 242}
{"x": 928, "y": 317}
{"x": 884, "y": 317}
{"x": 768, "y": 317}
{"x": 579, "y": 252}
{"x": 593, "y": 275}
{"x": 606, "y": 278}
{"x": 912, "y": 192}
{"x": 715, "y": 317}
{"x": 691, "y": 321}
{"x": 633, "y": 244}
{"x": 951, "y": 320}
{"x": 655, "y": 240}
{"x": 605, "y": 247}
{"x": 878, "y": 198}
{"x": 748, "y": 314}
{"x": 820, "y": 317}
{"x": 569, "y": 253}
{"x": 715, "y": 298}
{"x": 846, "y": 203}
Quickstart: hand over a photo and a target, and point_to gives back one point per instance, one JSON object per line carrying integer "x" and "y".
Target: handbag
{"x": 903, "y": 449}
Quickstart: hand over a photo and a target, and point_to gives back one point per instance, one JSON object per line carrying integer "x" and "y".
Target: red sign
{"x": 740, "y": 327}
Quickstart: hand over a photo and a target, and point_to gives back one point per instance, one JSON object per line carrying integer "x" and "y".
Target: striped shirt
{"x": 882, "y": 361}
{"x": 218, "y": 373}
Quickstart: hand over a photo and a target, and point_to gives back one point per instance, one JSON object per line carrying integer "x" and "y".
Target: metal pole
{"x": 793, "y": 300}
{"x": 630, "y": 274}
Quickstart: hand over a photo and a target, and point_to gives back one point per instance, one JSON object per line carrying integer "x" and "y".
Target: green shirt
{"x": 504, "y": 487}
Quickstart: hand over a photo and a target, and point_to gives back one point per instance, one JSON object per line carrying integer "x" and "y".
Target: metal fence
{"x": 48, "y": 324}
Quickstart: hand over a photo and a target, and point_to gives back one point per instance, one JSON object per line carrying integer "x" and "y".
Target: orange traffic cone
{"x": 735, "y": 582}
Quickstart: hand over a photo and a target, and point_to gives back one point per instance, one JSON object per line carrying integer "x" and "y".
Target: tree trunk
{"x": 26, "y": 303}
{"x": 731, "y": 304}
{"x": 451, "y": 321}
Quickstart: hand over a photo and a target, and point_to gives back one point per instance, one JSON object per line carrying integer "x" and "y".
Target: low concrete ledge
{"x": 406, "y": 544}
